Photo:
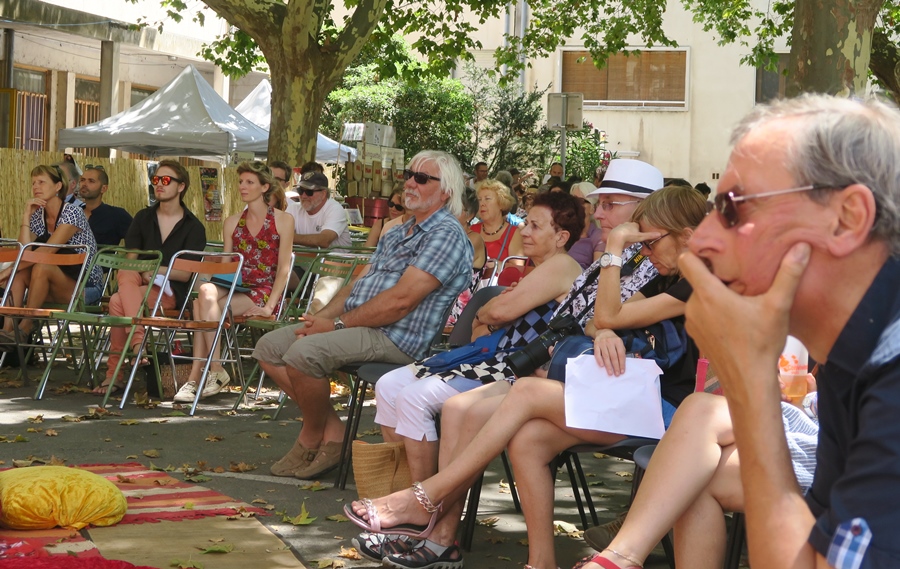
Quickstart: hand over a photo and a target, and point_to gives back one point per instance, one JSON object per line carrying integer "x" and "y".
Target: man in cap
{"x": 319, "y": 220}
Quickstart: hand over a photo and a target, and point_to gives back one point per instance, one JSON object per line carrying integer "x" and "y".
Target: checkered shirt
{"x": 439, "y": 247}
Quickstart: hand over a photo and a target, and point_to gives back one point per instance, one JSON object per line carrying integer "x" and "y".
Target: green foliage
{"x": 585, "y": 150}
{"x": 235, "y": 53}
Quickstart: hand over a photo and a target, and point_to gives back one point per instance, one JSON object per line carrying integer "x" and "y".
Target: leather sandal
{"x": 372, "y": 523}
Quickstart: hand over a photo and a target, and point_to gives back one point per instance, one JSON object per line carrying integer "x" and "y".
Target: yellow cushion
{"x": 43, "y": 497}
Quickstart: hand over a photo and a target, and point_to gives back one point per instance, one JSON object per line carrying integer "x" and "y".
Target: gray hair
{"x": 839, "y": 142}
{"x": 504, "y": 178}
{"x": 451, "y": 176}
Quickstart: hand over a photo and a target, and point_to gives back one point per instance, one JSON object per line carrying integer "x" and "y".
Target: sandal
{"x": 103, "y": 387}
{"x": 377, "y": 546}
{"x": 422, "y": 557}
{"x": 606, "y": 563}
{"x": 373, "y": 525}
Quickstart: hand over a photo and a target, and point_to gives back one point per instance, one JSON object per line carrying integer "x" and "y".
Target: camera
{"x": 537, "y": 352}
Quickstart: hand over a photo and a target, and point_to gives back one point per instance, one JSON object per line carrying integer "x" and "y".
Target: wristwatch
{"x": 610, "y": 260}
{"x": 339, "y": 324}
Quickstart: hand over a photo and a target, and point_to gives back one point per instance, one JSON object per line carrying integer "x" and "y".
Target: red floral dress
{"x": 260, "y": 253}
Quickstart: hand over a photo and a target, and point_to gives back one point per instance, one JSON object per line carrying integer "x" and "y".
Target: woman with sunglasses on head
{"x": 47, "y": 218}
{"x": 530, "y": 418}
{"x": 167, "y": 226}
{"x": 396, "y": 216}
{"x": 264, "y": 237}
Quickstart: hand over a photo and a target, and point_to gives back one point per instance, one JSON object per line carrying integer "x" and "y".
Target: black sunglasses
{"x": 420, "y": 177}
{"x": 164, "y": 180}
{"x": 309, "y": 193}
{"x": 397, "y": 206}
{"x": 726, "y": 203}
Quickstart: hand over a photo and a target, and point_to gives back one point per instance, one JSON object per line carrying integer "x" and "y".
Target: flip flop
{"x": 116, "y": 387}
{"x": 373, "y": 524}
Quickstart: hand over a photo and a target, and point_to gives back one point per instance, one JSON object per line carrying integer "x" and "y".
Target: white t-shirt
{"x": 331, "y": 216}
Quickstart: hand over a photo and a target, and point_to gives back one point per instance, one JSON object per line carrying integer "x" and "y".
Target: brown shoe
{"x": 298, "y": 457}
{"x": 328, "y": 458}
{"x": 600, "y": 537}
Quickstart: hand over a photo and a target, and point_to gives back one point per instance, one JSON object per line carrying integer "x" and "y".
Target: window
{"x": 138, "y": 94}
{"x": 770, "y": 84}
{"x": 650, "y": 78}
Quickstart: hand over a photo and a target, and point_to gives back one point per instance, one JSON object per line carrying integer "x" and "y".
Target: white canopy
{"x": 257, "y": 107}
{"x": 186, "y": 117}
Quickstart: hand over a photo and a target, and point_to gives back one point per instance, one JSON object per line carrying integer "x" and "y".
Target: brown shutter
{"x": 644, "y": 77}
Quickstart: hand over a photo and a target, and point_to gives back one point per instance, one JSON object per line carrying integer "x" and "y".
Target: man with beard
{"x": 319, "y": 220}
{"x": 108, "y": 222}
{"x": 389, "y": 314}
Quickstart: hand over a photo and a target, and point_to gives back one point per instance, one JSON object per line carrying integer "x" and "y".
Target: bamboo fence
{"x": 128, "y": 187}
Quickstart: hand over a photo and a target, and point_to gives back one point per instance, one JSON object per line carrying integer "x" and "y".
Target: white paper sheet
{"x": 628, "y": 404}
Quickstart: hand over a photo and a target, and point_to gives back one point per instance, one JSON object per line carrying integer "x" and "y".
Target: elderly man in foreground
{"x": 391, "y": 313}
{"x": 804, "y": 241}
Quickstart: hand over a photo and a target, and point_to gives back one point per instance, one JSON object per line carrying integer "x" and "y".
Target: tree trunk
{"x": 298, "y": 95}
{"x": 831, "y": 45}
{"x": 885, "y": 63}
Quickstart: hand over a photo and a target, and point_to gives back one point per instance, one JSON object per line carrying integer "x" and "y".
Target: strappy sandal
{"x": 372, "y": 523}
{"x": 606, "y": 563}
{"x": 422, "y": 557}
{"x": 377, "y": 546}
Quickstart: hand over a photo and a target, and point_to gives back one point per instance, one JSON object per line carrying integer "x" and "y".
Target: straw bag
{"x": 182, "y": 372}
{"x": 380, "y": 469}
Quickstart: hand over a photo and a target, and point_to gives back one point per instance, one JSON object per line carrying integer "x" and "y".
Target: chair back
{"x": 462, "y": 330}
{"x": 201, "y": 263}
{"x": 503, "y": 264}
{"x": 64, "y": 256}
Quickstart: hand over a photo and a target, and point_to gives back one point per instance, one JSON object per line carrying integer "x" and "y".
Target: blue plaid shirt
{"x": 439, "y": 247}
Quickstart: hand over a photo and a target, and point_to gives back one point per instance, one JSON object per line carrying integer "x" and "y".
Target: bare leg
{"x": 422, "y": 457}
{"x": 694, "y": 466}
{"x": 209, "y": 306}
{"x": 48, "y": 282}
{"x": 17, "y": 291}
{"x": 529, "y": 398}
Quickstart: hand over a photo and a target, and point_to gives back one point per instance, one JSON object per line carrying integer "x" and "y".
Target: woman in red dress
{"x": 264, "y": 237}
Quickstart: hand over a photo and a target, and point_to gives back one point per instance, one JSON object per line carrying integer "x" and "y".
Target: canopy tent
{"x": 186, "y": 117}
{"x": 257, "y": 106}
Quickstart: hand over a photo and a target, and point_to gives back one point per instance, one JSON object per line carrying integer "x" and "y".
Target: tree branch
{"x": 885, "y": 62}
{"x": 354, "y": 36}
{"x": 260, "y": 19}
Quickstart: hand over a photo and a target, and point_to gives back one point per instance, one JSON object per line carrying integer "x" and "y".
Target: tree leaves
{"x": 302, "y": 519}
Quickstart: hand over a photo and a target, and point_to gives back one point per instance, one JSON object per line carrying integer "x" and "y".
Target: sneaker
{"x": 421, "y": 557}
{"x": 328, "y": 457}
{"x": 377, "y": 546}
{"x": 186, "y": 393}
{"x": 600, "y": 537}
{"x": 215, "y": 381}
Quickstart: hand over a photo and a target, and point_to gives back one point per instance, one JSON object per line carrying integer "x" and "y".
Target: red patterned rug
{"x": 152, "y": 496}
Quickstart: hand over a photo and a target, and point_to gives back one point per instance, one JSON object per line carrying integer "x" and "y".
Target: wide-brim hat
{"x": 588, "y": 190}
{"x": 631, "y": 178}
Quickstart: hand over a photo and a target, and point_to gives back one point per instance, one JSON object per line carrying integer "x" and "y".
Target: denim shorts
{"x": 92, "y": 294}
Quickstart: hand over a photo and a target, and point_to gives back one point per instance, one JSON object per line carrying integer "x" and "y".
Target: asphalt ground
{"x": 235, "y": 449}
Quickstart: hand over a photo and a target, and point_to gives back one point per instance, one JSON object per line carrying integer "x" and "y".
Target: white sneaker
{"x": 186, "y": 393}
{"x": 215, "y": 382}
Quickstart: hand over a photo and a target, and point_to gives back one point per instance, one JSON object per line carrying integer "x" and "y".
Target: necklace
{"x": 499, "y": 229}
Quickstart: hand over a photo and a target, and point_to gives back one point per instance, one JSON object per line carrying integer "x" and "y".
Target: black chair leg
{"x": 468, "y": 523}
{"x": 736, "y": 537}
{"x": 576, "y": 491}
{"x": 512, "y": 482}
{"x": 354, "y": 414}
{"x": 586, "y": 489}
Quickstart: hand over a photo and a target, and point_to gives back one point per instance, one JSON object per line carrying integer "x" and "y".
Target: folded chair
{"x": 95, "y": 324}
{"x": 65, "y": 256}
{"x": 196, "y": 263}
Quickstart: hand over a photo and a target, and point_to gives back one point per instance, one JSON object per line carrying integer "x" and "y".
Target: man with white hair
{"x": 390, "y": 313}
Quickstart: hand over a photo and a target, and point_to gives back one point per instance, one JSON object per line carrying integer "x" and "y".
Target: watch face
{"x": 605, "y": 259}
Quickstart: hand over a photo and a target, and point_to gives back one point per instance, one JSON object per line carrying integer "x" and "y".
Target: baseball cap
{"x": 313, "y": 181}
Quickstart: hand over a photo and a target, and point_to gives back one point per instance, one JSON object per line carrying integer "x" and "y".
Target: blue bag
{"x": 475, "y": 352}
{"x": 665, "y": 342}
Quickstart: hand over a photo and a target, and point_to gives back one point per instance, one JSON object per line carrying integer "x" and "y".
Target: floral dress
{"x": 260, "y": 253}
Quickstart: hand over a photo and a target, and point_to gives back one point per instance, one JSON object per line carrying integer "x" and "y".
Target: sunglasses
{"x": 164, "y": 180}
{"x": 94, "y": 167}
{"x": 397, "y": 206}
{"x": 649, "y": 244}
{"x": 607, "y": 206}
{"x": 309, "y": 193}
{"x": 421, "y": 178}
{"x": 726, "y": 204}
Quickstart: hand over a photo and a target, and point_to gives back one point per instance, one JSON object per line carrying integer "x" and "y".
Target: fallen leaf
{"x": 131, "y": 456}
{"x": 624, "y": 474}
{"x": 495, "y": 539}
{"x": 263, "y": 435}
{"x": 214, "y": 438}
{"x": 269, "y": 507}
{"x": 218, "y": 548}
{"x": 56, "y": 461}
{"x": 523, "y": 541}
{"x": 107, "y": 440}
{"x": 314, "y": 487}
{"x": 129, "y": 422}
{"x": 266, "y": 418}
{"x": 32, "y": 430}
{"x": 597, "y": 483}
{"x": 124, "y": 479}
{"x": 241, "y": 467}
{"x": 20, "y": 439}
{"x": 349, "y": 553}
{"x": 488, "y": 522}
{"x": 302, "y": 519}
{"x": 338, "y": 518}
{"x": 159, "y": 421}
{"x": 165, "y": 482}
{"x": 219, "y": 470}
{"x": 36, "y": 419}
{"x": 175, "y": 413}
{"x": 189, "y": 564}
{"x": 501, "y": 558}
{"x": 229, "y": 413}
{"x": 151, "y": 453}
{"x": 600, "y": 455}
{"x": 197, "y": 478}
{"x": 22, "y": 463}
{"x": 188, "y": 506}
{"x": 259, "y": 501}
